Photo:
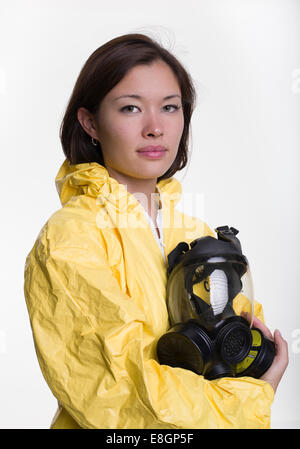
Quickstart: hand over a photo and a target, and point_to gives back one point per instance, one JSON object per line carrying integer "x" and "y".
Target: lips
{"x": 152, "y": 149}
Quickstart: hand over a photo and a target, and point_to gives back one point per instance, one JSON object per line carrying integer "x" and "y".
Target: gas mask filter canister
{"x": 209, "y": 287}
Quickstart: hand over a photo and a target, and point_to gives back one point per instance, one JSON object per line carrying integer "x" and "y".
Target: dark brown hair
{"x": 105, "y": 68}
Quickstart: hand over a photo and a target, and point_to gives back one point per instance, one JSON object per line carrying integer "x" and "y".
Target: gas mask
{"x": 208, "y": 290}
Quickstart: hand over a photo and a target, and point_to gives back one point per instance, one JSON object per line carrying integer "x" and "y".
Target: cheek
{"x": 119, "y": 131}
{"x": 181, "y": 124}
{"x": 177, "y": 129}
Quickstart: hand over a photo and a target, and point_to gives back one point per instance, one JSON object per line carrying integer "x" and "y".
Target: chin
{"x": 153, "y": 168}
{"x": 152, "y": 172}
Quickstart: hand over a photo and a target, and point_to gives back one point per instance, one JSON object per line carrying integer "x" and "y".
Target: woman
{"x": 95, "y": 279}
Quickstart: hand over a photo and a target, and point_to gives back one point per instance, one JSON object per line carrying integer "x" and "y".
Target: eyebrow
{"x": 138, "y": 97}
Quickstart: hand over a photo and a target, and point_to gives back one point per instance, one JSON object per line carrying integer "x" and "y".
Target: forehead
{"x": 144, "y": 80}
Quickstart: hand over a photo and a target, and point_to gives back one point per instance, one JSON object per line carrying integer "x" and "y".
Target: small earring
{"x": 94, "y": 142}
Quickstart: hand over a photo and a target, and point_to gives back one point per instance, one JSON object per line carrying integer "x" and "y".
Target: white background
{"x": 244, "y": 58}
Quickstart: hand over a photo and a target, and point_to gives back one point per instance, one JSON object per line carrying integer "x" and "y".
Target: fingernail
{"x": 279, "y": 333}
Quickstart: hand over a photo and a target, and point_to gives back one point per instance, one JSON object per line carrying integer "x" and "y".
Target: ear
{"x": 87, "y": 121}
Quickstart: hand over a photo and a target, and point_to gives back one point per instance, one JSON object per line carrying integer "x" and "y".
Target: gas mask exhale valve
{"x": 209, "y": 289}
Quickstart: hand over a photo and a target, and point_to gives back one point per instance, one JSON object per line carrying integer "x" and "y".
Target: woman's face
{"x": 125, "y": 125}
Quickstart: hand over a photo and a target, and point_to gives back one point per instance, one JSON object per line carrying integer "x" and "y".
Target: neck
{"x": 144, "y": 190}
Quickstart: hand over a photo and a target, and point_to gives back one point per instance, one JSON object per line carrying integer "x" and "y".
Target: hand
{"x": 274, "y": 374}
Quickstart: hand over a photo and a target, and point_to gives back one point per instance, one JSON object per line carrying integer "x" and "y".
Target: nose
{"x": 156, "y": 132}
{"x": 153, "y": 127}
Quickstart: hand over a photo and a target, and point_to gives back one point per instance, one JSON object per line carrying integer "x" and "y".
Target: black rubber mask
{"x": 209, "y": 287}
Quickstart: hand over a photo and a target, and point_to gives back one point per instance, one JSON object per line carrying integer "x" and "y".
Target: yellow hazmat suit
{"x": 95, "y": 288}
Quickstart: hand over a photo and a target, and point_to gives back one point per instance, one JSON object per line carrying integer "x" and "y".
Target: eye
{"x": 172, "y": 106}
{"x": 126, "y": 107}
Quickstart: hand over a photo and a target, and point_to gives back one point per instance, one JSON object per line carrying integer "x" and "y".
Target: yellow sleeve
{"x": 258, "y": 311}
{"x": 90, "y": 339}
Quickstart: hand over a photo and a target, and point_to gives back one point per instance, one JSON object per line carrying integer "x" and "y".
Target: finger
{"x": 282, "y": 352}
{"x": 258, "y": 324}
{"x": 261, "y": 326}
